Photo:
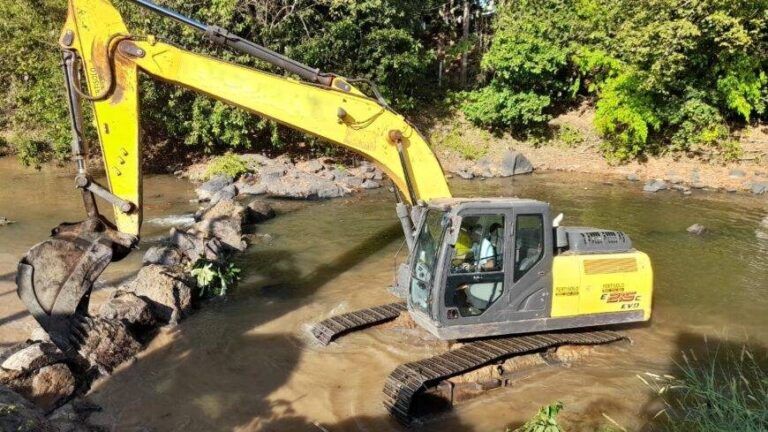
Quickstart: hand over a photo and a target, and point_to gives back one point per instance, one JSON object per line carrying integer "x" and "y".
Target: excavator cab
{"x": 486, "y": 267}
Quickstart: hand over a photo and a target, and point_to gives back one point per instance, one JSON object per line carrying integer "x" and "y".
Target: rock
{"x": 39, "y": 335}
{"x": 633, "y": 177}
{"x": 108, "y": 343}
{"x": 258, "y": 211}
{"x": 687, "y": 192}
{"x": 681, "y": 188}
{"x": 310, "y": 166}
{"x": 72, "y": 417}
{"x": 675, "y": 180}
{"x": 696, "y": 229}
{"x": 252, "y": 188}
{"x": 353, "y": 182}
{"x": 370, "y": 184}
{"x": 304, "y": 186}
{"x": 163, "y": 255}
{"x": 223, "y": 221}
{"x": 259, "y": 238}
{"x": 208, "y": 189}
{"x": 367, "y": 167}
{"x": 165, "y": 289}
{"x": 698, "y": 185}
{"x": 272, "y": 172}
{"x": 465, "y": 174}
{"x": 227, "y": 193}
{"x": 51, "y": 386}
{"x": 18, "y": 414}
{"x": 194, "y": 245}
{"x": 737, "y": 173}
{"x": 514, "y": 163}
{"x": 764, "y": 222}
{"x": 254, "y": 160}
{"x": 759, "y": 188}
{"x": 128, "y": 308}
{"x": 654, "y": 186}
{"x": 30, "y": 356}
{"x": 5, "y": 221}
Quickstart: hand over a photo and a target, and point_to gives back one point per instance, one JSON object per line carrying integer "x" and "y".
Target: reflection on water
{"x": 246, "y": 362}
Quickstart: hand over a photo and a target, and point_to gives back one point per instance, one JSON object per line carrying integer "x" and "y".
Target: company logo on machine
{"x": 615, "y": 293}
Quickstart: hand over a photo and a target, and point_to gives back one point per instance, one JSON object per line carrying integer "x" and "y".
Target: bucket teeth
{"x": 55, "y": 277}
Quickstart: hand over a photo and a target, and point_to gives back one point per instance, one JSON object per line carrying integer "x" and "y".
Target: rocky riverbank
{"x": 40, "y": 387}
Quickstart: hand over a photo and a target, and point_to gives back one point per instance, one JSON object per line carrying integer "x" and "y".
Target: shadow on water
{"x": 218, "y": 371}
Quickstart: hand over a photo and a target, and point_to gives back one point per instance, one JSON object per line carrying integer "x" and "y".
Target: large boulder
{"x": 303, "y": 186}
{"x": 514, "y": 163}
{"x": 208, "y": 189}
{"x": 29, "y": 356}
{"x": 129, "y": 308}
{"x": 18, "y": 414}
{"x": 259, "y": 211}
{"x": 227, "y": 193}
{"x": 223, "y": 221}
{"x": 194, "y": 245}
{"x": 165, "y": 289}
{"x": 51, "y": 386}
{"x": 107, "y": 343}
{"x": 163, "y": 255}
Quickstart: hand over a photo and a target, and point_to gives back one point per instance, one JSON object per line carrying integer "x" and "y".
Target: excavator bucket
{"x": 55, "y": 278}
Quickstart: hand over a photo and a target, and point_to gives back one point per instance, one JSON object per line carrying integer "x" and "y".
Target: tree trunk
{"x": 465, "y": 37}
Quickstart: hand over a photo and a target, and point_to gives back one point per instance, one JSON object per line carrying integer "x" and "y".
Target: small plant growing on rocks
{"x": 230, "y": 165}
{"x": 544, "y": 421}
{"x": 213, "y": 278}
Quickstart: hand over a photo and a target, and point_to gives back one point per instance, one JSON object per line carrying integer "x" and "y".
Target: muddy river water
{"x": 247, "y": 362}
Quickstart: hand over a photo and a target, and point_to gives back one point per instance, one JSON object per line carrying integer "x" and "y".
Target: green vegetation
{"x": 229, "y": 164}
{"x": 725, "y": 391}
{"x": 663, "y": 75}
{"x": 214, "y": 278}
{"x": 667, "y": 75}
{"x": 455, "y": 140}
{"x": 569, "y": 136}
{"x": 544, "y": 421}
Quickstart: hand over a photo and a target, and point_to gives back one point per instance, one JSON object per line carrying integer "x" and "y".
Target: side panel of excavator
{"x": 601, "y": 283}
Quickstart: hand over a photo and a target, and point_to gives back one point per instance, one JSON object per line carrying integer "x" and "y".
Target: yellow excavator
{"x": 500, "y": 273}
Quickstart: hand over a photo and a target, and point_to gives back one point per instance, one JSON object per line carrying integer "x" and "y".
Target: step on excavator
{"x": 499, "y": 274}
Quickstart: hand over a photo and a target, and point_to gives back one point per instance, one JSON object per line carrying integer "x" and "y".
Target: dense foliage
{"x": 675, "y": 75}
{"x": 667, "y": 74}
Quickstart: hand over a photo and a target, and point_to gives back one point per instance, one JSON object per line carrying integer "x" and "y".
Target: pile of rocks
{"x": 280, "y": 177}
{"x": 672, "y": 181}
{"x": 506, "y": 164}
{"x": 36, "y": 378}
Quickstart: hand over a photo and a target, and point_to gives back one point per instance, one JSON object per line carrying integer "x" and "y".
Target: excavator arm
{"x": 55, "y": 277}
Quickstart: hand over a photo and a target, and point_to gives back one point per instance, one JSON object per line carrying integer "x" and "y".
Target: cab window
{"x": 529, "y": 243}
{"x": 425, "y": 258}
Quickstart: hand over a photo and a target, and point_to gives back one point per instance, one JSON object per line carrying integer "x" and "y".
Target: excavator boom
{"x": 55, "y": 277}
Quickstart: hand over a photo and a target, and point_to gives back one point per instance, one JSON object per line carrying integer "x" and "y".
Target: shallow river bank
{"x": 247, "y": 362}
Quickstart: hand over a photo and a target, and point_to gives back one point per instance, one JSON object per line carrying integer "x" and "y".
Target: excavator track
{"x": 409, "y": 380}
{"x": 331, "y": 328}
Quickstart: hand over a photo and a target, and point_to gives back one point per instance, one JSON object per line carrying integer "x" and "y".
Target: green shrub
{"x": 458, "y": 142}
{"x": 544, "y": 421}
{"x": 569, "y": 136}
{"x": 725, "y": 391}
{"x": 214, "y": 278}
{"x": 229, "y": 164}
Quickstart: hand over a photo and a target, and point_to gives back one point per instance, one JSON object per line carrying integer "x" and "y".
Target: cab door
{"x": 476, "y": 269}
{"x": 532, "y": 252}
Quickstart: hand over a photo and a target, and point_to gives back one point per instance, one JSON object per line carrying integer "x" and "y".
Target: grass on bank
{"x": 228, "y": 164}
{"x": 726, "y": 391}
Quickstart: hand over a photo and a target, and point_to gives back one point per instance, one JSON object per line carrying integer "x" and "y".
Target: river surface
{"x": 247, "y": 362}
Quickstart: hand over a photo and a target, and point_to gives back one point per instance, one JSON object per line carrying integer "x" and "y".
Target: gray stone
{"x": 737, "y": 173}
{"x": 654, "y": 186}
{"x": 310, "y": 166}
{"x": 19, "y": 414}
{"x": 252, "y": 189}
{"x": 675, "y": 180}
{"x": 227, "y": 193}
{"x": 514, "y": 163}
{"x": 194, "y": 245}
{"x": 223, "y": 221}
{"x": 272, "y": 172}
{"x": 259, "y": 211}
{"x": 698, "y": 185}
{"x": 208, "y": 189}
{"x": 163, "y": 255}
{"x": 370, "y": 184}
{"x": 108, "y": 343}
{"x": 378, "y": 175}
{"x": 259, "y": 238}
{"x": 165, "y": 289}
{"x": 329, "y": 189}
{"x": 128, "y": 308}
{"x": 696, "y": 229}
{"x": 759, "y": 188}
{"x": 353, "y": 182}
{"x": 254, "y": 160}
{"x": 367, "y": 167}
{"x": 633, "y": 177}
{"x": 30, "y": 356}
{"x": 681, "y": 188}
{"x": 466, "y": 175}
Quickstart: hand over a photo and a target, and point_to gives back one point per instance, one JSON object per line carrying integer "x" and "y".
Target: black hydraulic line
{"x": 225, "y": 37}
